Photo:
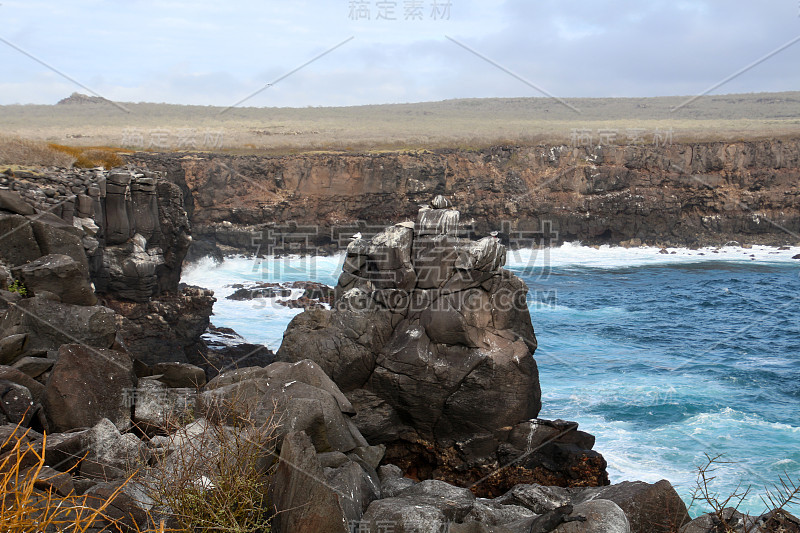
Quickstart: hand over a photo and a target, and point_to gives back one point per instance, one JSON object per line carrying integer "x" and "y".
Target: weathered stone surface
{"x": 13, "y": 202}
{"x": 732, "y": 520}
{"x": 537, "y": 498}
{"x": 158, "y": 408}
{"x": 298, "y": 396}
{"x": 50, "y": 324}
{"x": 17, "y": 243}
{"x": 302, "y": 502}
{"x": 17, "y": 376}
{"x": 88, "y": 384}
{"x": 166, "y": 328}
{"x": 34, "y": 366}
{"x": 60, "y": 275}
{"x": 17, "y": 404}
{"x": 180, "y": 375}
{"x": 426, "y": 506}
{"x": 343, "y": 344}
{"x": 59, "y": 238}
{"x": 107, "y": 447}
{"x": 650, "y": 508}
{"x": 355, "y": 487}
{"x": 12, "y": 347}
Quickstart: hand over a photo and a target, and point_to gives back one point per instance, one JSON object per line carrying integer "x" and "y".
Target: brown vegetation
{"x": 18, "y": 151}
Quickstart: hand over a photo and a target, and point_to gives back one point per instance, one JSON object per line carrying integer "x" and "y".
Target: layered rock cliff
{"x": 681, "y": 194}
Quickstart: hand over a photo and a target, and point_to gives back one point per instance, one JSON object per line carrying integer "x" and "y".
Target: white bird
{"x": 494, "y": 233}
{"x": 356, "y": 236}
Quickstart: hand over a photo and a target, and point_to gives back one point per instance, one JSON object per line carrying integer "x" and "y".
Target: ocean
{"x": 665, "y": 358}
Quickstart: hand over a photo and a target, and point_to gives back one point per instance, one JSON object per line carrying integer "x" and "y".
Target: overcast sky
{"x": 218, "y": 52}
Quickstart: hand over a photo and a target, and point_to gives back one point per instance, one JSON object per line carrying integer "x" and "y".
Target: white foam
{"x": 576, "y": 255}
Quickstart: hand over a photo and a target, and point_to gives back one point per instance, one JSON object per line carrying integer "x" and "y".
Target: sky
{"x": 392, "y": 51}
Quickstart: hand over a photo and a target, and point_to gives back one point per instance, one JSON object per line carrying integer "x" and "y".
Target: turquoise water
{"x": 664, "y": 358}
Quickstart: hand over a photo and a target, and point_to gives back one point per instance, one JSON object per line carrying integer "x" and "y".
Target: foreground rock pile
{"x": 417, "y": 412}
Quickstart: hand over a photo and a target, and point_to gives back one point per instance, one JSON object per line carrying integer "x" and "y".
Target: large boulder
{"x": 50, "y": 324}
{"x": 60, "y": 275}
{"x": 650, "y": 508}
{"x": 88, "y": 384}
{"x": 296, "y": 397}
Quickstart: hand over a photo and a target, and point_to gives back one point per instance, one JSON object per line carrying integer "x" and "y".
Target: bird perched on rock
{"x": 356, "y": 236}
{"x": 494, "y": 233}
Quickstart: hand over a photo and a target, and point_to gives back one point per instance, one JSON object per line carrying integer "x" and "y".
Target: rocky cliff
{"x": 681, "y": 194}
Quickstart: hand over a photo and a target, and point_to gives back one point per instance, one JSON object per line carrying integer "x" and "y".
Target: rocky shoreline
{"x": 405, "y": 399}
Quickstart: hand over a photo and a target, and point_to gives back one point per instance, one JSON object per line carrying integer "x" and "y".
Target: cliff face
{"x": 678, "y": 194}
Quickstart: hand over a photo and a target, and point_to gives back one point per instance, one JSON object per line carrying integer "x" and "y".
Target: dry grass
{"x": 463, "y": 124}
{"x": 25, "y": 508}
{"x": 92, "y": 156}
{"x": 17, "y": 151}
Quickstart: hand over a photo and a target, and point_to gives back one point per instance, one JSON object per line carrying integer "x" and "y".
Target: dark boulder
{"x": 650, "y": 508}
{"x": 60, "y": 275}
{"x": 88, "y": 384}
{"x": 302, "y": 501}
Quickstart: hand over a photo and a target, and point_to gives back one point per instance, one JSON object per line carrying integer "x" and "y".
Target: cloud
{"x": 205, "y": 52}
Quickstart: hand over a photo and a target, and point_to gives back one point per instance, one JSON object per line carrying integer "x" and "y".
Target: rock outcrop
{"x": 125, "y": 229}
{"x": 432, "y": 342}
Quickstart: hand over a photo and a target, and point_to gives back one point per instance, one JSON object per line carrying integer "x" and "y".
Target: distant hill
{"x": 79, "y": 98}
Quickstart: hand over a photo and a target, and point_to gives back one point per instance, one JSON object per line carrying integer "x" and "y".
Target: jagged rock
{"x": 730, "y": 521}
{"x": 12, "y": 348}
{"x": 17, "y": 376}
{"x": 13, "y": 202}
{"x": 107, "y": 447}
{"x": 180, "y": 375}
{"x": 426, "y": 506}
{"x": 51, "y": 324}
{"x": 537, "y": 498}
{"x": 117, "y": 223}
{"x": 121, "y": 507}
{"x": 49, "y": 479}
{"x": 392, "y": 481}
{"x": 441, "y": 202}
{"x": 88, "y": 384}
{"x": 355, "y": 487}
{"x": 299, "y": 396}
{"x": 34, "y": 366}
{"x": 158, "y": 408}
{"x": 166, "y": 328}
{"x": 60, "y": 275}
{"x": 301, "y": 501}
{"x": 650, "y": 508}
{"x": 343, "y": 344}
{"x": 437, "y": 222}
{"x": 491, "y": 513}
{"x": 441, "y": 369}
